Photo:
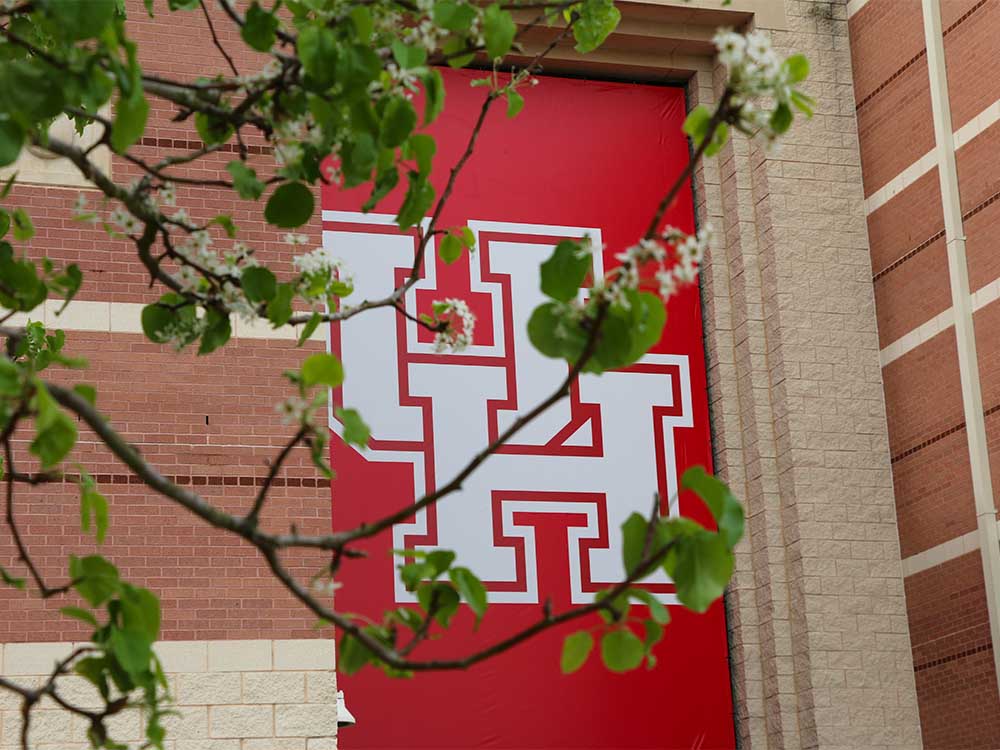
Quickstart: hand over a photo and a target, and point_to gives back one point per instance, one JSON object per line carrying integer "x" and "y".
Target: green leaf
{"x": 418, "y": 200}
{"x": 563, "y": 273}
{"x": 11, "y": 141}
{"x": 468, "y": 238}
{"x": 797, "y": 68}
{"x": 450, "y": 249}
{"x": 555, "y": 332}
{"x": 291, "y": 205}
{"x": 279, "y": 309}
{"x": 657, "y": 609}
{"x": 259, "y": 29}
{"x": 323, "y": 369}
{"x": 212, "y": 129}
{"x": 93, "y": 507}
{"x": 80, "y": 614}
{"x": 132, "y": 650}
{"x": 471, "y": 588}
{"x": 654, "y": 634}
{"x": 385, "y": 181}
{"x": 87, "y": 392}
{"x": 55, "y": 432}
{"x": 140, "y": 611}
{"x": 700, "y": 566}
{"x": 781, "y": 118}
{"x": 259, "y": 284}
{"x": 696, "y": 123}
{"x": 317, "y": 47}
{"x": 576, "y": 649}
{"x": 454, "y": 16}
{"x": 96, "y": 580}
{"x": 719, "y": 137}
{"x": 8, "y": 579}
{"x": 352, "y": 654}
{"x": 361, "y": 17}
{"x": 4, "y": 223}
{"x": 8, "y": 186}
{"x": 422, "y": 148}
{"x": 80, "y": 19}
{"x": 226, "y": 222}
{"x": 445, "y": 598}
{"x": 398, "y": 121}
{"x": 24, "y": 230}
{"x": 622, "y": 650}
{"x": 156, "y": 319}
{"x": 408, "y": 55}
{"x": 131, "y": 113}
{"x": 803, "y": 102}
{"x": 439, "y": 560}
{"x": 515, "y": 103}
{"x": 433, "y": 95}
{"x": 452, "y": 48}
{"x": 309, "y": 328}
{"x": 597, "y": 19}
{"x": 725, "y": 508}
{"x": 498, "y": 30}
{"x": 217, "y": 331}
{"x": 647, "y": 315}
{"x": 356, "y": 432}
{"x": 245, "y": 180}
{"x": 635, "y": 531}
{"x": 615, "y": 342}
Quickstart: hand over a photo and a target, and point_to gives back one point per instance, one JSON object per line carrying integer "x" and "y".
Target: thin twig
{"x": 215, "y": 39}
{"x": 258, "y": 505}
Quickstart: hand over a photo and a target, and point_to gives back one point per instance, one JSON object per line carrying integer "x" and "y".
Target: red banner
{"x": 540, "y": 520}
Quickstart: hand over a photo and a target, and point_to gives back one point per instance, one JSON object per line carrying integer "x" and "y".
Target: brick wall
{"x": 945, "y": 594}
{"x": 248, "y": 669}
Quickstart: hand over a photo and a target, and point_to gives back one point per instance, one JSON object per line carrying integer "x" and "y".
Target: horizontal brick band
{"x": 933, "y": 238}
{"x": 913, "y": 60}
{"x": 200, "y": 480}
{"x": 190, "y": 145}
{"x": 952, "y": 657}
{"x": 941, "y": 436}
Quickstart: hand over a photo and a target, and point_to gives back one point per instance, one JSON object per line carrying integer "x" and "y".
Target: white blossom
{"x": 123, "y": 220}
{"x": 168, "y": 194}
{"x": 293, "y": 410}
{"x": 452, "y": 309}
{"x": 296, "y": 239}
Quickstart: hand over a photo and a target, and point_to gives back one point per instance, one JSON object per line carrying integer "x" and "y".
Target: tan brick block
{"x": 284, "y": 743}
{"x": 239, "y": 656}
{"x": 183, "y": 656}
{"x": 240, "y": 721}
{"x": 207, "y": 745}
{"x": 190, "y": 723}
{"x": 304, "y": 654}
{"x": 310, "y": 720}
{"x": 322, "y": 743}
{"x": 33, "y": 658}
{"x": 321, "y": 687}
{"x": 274, "y": 687}
{"x": 208, "y": 688}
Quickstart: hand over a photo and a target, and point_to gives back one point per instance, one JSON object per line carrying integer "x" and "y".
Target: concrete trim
{"x": 974, "y": 127}
{"x": 968, "y": 361}
{"x": 940, "y": 322}
{"x": 125, "y": 317}
{"x": 853, "y": 6}
{"x": 941, "y": 553}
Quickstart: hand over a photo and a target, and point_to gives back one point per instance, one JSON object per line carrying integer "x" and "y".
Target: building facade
{"x": 848, "y": 332}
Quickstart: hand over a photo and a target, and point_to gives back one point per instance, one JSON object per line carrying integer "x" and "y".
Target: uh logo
{"x": 588, "y": 462}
